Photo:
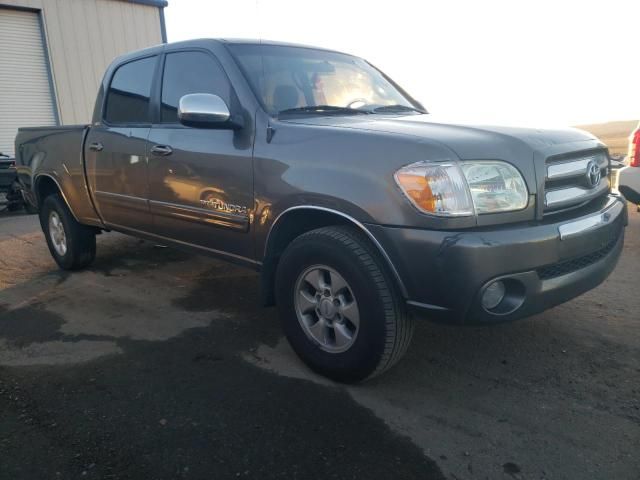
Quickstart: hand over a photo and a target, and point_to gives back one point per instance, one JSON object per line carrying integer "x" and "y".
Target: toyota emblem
{"x": 593, "y": 174}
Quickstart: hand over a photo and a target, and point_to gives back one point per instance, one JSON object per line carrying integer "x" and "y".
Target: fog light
{"x": 493, "y": 295}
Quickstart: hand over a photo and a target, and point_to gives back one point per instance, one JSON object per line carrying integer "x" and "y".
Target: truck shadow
{"x": 535, "y": 346}
{"x": 172, "y": 398}
{"x": 189, "y": 332}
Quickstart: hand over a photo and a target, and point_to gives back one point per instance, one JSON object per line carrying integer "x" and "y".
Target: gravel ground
{"x": 156, "y": 364}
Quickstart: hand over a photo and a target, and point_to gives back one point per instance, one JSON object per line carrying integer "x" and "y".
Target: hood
{"x": 467, "y": 141}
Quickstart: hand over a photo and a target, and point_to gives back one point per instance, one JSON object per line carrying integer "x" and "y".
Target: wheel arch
{"x": 295, "y": 221}
{"x": 45, "y": 185}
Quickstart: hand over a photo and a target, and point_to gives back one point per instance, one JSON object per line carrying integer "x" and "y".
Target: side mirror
{"x": 204, "y": 110}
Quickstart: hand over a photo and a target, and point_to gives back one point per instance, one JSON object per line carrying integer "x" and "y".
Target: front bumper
{"x": 543, "y": 264}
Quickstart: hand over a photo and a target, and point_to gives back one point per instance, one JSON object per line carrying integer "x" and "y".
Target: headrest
{"x": 285, "y": 97}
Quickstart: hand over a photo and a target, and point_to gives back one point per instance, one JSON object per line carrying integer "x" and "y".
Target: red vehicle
{"x": 630, "y": 176}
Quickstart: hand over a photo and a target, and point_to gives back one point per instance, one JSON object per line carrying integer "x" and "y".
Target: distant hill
{"x": 614, "y": 134}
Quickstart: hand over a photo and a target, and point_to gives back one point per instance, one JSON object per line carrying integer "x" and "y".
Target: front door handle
{"x": 161, "y": 150}
{"x": 96, "y": 147}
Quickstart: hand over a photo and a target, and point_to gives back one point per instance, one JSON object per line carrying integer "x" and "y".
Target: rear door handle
{"x": 96, "y": 147}
{"x": 161, "y": 150}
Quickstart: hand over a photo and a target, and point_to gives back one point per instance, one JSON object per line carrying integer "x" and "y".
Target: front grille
{"x": 575, "y": 179}
{"x": 575, "y": 264}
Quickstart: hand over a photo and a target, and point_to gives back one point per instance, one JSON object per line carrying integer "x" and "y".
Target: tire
{"x": 327, "y": 340}
{"x": 79, "y": 240}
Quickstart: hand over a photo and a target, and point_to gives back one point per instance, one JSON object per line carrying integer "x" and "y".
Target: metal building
{"x": 53, "y": 54}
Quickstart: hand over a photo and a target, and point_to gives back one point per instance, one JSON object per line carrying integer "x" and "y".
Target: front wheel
{"x": 340, "y": 309}
{"x": 72, "y": 245}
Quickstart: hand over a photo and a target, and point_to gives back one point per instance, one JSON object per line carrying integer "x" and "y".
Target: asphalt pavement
{"x": 158, "y": 364}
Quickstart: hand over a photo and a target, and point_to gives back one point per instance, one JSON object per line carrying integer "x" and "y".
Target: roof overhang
{"x": 153, "y": 3}
{"x": 160, "y": 5}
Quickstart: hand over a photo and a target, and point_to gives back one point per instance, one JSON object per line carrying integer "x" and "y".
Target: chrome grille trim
{"x": 563, "y": 197}
{"x": 573, "y": 168}
{"x": 568, "y": 181}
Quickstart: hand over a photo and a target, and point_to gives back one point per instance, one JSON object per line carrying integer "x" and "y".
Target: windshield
{"x": 290, "y": 79}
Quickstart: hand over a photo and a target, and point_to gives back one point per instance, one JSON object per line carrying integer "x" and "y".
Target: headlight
{"x": 462, "y": 188}
{"x": 495, "y": 186}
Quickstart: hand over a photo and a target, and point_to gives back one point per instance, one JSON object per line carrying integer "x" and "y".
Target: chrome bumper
{"x": 592, "y": 222}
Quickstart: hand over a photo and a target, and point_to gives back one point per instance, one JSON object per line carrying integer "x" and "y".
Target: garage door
{"x": 25, "y": 93}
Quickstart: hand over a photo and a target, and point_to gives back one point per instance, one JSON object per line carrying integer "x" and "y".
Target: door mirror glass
{"x": 204, "y": 110}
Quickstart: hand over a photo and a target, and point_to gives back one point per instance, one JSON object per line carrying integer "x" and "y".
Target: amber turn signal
{"x": 418, "y": 190}
{"x": 435, "y": 188}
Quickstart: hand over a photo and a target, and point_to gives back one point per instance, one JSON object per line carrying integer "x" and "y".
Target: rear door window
{"x": 129, "y": 94}
{"x": 190, "y": 72}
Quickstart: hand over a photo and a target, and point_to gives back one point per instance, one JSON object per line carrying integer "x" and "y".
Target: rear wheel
{"x": 340, "y": 310}
{"x": 72, "y": 245}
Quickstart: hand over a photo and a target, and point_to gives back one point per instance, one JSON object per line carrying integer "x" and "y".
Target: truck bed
{"x": 55, "y": 154}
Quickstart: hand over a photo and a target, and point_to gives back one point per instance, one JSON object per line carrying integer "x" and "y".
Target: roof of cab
{"x": 203, "y": 42}
{"x": 275, "y": 43}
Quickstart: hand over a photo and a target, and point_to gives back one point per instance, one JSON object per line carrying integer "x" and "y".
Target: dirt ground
{"x": 156, "y": 364}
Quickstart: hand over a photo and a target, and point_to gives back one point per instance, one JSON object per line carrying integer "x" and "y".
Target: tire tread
{"x": 399, "y": 325}
{"x": 82, "y": 238}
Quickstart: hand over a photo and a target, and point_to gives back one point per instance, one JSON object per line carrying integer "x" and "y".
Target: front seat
{"x": 285, "y": 97}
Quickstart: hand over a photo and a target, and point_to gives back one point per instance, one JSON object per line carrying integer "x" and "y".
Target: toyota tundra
{"x": 361, "y": 211}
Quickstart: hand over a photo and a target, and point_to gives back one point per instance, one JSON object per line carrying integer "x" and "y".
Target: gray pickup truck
{"x": 361, "y": 211}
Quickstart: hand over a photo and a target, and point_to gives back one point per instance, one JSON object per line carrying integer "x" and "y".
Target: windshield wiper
{"x": 323, "y": 109}
{"x": 396, "y": 108}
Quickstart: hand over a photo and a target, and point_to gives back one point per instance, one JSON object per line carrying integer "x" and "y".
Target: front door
{"x": 116, "y": 149}
{"x": 200, "y": 180}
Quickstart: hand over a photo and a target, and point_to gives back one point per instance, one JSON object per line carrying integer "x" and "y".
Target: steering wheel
{"x": 363, "y": 101}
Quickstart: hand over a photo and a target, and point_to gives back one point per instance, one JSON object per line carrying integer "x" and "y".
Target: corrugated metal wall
{"x": 25, "y": 93}
{"x": 83, "y": 37}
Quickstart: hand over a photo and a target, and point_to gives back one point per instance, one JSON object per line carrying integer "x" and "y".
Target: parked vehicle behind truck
{"x": 629, "y": 177}
{"x": 7, "y": 172}
{"x": 361, "y": 211}
{"x": 11, "y": 198}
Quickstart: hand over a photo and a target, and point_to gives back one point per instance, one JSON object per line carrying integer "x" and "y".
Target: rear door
{"x": 116, "y": 148}
{"x": 200, "y": 180}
